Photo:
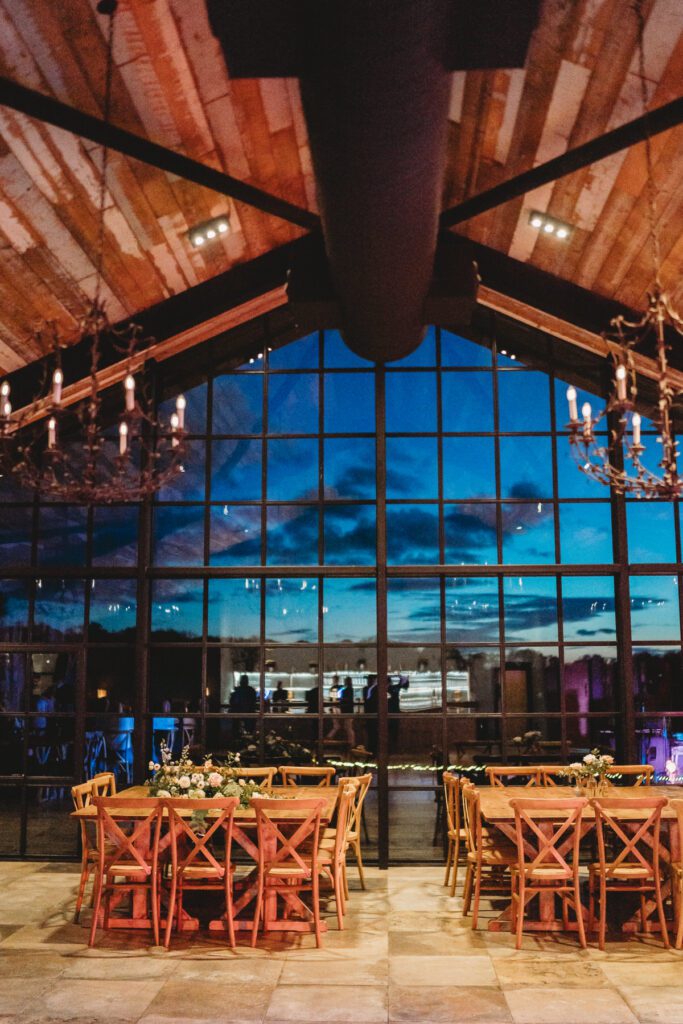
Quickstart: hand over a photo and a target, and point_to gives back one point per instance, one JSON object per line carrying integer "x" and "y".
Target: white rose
{"x": 164, "y": 794}
{"x": 242, "y": 782}
{"x": 150, "y": 766}
{"x": 589, "y": 759}
{"x": 608, "y": 759}
{"x": 215, "y": 779}
{"x": 196, "y": 778}
{"x": 184, "y": 782}
{"x": 575, "y": 765}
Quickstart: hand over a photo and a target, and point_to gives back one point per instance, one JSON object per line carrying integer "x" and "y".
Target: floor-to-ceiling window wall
{"x": 400, "y": 566}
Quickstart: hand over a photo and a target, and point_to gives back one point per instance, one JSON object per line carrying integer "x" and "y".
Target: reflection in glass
{"x": 177, "y": 609}
{"x": 50, "y": 746}
{"x": 523, "y": 400}
{"x": 292, "y": 469}
{"x": 410, "y": 402}
{"x": 195, "y": 411}
{"x": 654, "y": 608}
{"x": 349, "y": 467}
{"x": 526, "y": 467}
{"x": 412, "y": 467}
{"x": 15, "y": 535}
{"x": 470, "y": 534}
{"x": 110, "y": 679}
{"x": 472, "y": 680}
{"x": 291, "y": 611}
{"x": 651, "y": 533}
{"x": 179, "y": 535}
{"x": 172, "y": 731}
{"x": 238, "y": 403}
{"x": 58, "y": 611}
{"x": 115, "y": 535}
{"x": 588, "y": 608}
{"x": 467, "y": 402}
{"x": 414, "y": 610}
{"x": 10, "y": 807}
{"x": 12, "y": 681}
{"x": 412, "y": 534}
{"x": 349, "y": 610}
{"x": 346, "y": 671}
{"x": 236, "y": 470}
{"x": 530, "y": 608}
{"x": 175, "y": 679}
{"x": 586, "y": 532}
{"x": 473, "y": 742}
{"x": 532, "y": 680}
{"x": 590, "y": 678}
{"x": 53, "y": 683}
{"x": 584, "y": 734}
{"x": 472, "y": 609}
{"x": 49, "y": 829}
{"x": 14, "y": 596}
{"x": 61, "y": 535}
{"x": 528, "y": 533}
{"x": 190, "y": 483}
{"x": 350, "y": 534}
{"x": 457, "y": 351}
{"x": 293, "y": 404}
{"x": 468, "y": 467}
{"x": 234, "y": 612}
{"x": 657, "y": 679}
{"x": 225, "y": 668}
{"x": 113, "y": 609}
{"x": 296, "y": 355}
{"x": 414, "y": 679}
{"x": 291, "y": 680}
{"x": 292, "y": 535}
{"x": 349, "y": 403}
{"x": 235, "y": 535}
{"x": 533, "y": 740}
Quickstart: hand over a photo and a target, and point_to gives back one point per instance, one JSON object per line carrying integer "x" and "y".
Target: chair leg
{"x": 338, "y": 898}
{"x": 228, "y": 907}
{"x": 154, "y": 889}
{"x": 591, "y": 902}
{"x": 85, "y": 875}
{"x": 315, "y": 886}
{"x": 257, "y": 911}
{"x": 449, "y": 856}
{"x": 603, "y": 913}
{"x": 456, "y": 864}
{"x": 171, "y": 909}
{"x": 359, "y": 861}
{"x": 96, "y": 907}
{"x": 477, "y": 896}
{"x": 345, "y": 879}
{"x": 660, "y": 911}
{"x": 677, "y": 886}
{"x": 578, "y": 907}
{"x": 520, "y": 913}
{"x": 467, "y": 891}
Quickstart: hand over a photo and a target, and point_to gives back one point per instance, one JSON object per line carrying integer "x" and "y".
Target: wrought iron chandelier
{"x": 84, "y": 452}
{"x": 617, "y": 462}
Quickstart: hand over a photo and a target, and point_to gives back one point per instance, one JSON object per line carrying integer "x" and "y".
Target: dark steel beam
{"x": 61, "y": 115}
{"x": 629, "y": 134}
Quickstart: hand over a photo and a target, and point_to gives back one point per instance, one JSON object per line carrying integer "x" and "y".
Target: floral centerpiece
{"x": 590, "y": 774}
{"x": 183, "y": 778}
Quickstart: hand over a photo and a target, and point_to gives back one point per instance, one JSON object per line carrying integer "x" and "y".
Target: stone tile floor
{"x": 405, "y": 956}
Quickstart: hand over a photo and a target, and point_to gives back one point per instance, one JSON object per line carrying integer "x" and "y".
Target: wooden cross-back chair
{"x": 498, "y": 774}
{"x": 628, "y": 830}
{"x": 264, "y": 776}
{"x": 332, "y": 853}
{"x": 127, "y": 849}
{"x": 452, "y": 785}
{"x": 194, "y": 864}
{"x": 548, "y": 834}
{"x": 82, "y": 795}
{"x": 488, "y": 859}
{"x": 362, "y": 785}
{"x": 288, "y": 859}
{"x": 551, "y": 775}
{"x": 676, "y": 868}
{"x": 104, "y": 784}
{"x": 291, "y": 773}
{"x": 635, "y": 774}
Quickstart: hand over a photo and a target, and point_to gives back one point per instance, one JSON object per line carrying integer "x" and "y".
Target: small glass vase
{"x": 593, "y": 786}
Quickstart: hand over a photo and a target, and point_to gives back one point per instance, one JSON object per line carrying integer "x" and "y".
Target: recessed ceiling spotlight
{"x": 209, "y": 230}
{"x": 198, "y": 240}
{"x": 536, "y": 221}
{"x": 561, "y": 232}
{"x": 211, "y": 233}
{"x": 549, "y": 225}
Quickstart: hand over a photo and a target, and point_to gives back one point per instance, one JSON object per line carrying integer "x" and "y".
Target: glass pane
{"x": 660, "y": 743}
{"x": 586, "y": 533}
{"x": 423, "y": 355}
{"x": 530, "y": 608}
{"x": 53, "y": 683}
{"x": 412, "y": 467}
{"x": 175, "y": 679}
{"x": 292, "y": 611}
{"x": 177, "y": 607}
{"x": 62, "y": 533}
{"x": 457, "y": 351}
{"x": 10, "y": 809}
{"x": 291, "y": 680}
{"x": 414, "y": 610}
{"x": 227, "y": 735}
{"x": 410, "y": 402}
{"x": 236, "y": 470}
{"x": 523, "y": 401}
{"x": 235, "y": 537}
{"x": 109, "y": 747}
{"x": 110, "y": 681}
{"x": 472, "y": 680}
{"x": 12, "y": 682}
{"x": 349, "y": 611}
{"x": 654, "y": 608}
{"x": 113, "y": 610}
{"x": 526, "y": 467}
{"x": 414, "y": 679}
{"x": 50, "y": 744}
{"x": 172, "y": 731}
{"x": 195, "y": 411}
{"x": 470, "y": 534}
{"x": 12, "y": 731}
{"x": 571, "y": 482}
{"x": 16, "y": 527}
{"x": 590, "y": 678}
{"x": 657, "y": 680}
{"x": 292, "y": 537}
{"x": 530, "y": 740}
{"x": 412, "y": 534}
{"x": 292, "y": 469}
{"x": 532, "y": 680}
{"x": 349, "y": 467}
{"x": 338, "y": 354}
{"x": 585, "y": 734}
{"x": 472, "y": 609}
{"x": 59, "y": 609}
{"x": 528, "y": 533}
{"x": 293, "y": 404}
{"x": 472, "y": 743}
{"x": 350, "y": 534}
{"x": 413, "y": 747}
{"x": 179, "y": 535}
{"x": 189, "y": 484}
{"x": 50, "y": 832}
{"x": 467, "y": 402}
{"x": 651, "y": 534}
{"x": 233, "y": 679}
{"x": 14, "y": 595}
{"x": 468, "y": 467}
{"x": 238, "y": 403}
{"x": 115, "y": 535}
{"x": 588, "y": 608}
{"x": 234, "y": 610}
{"x": 296, "y": 355}
{"x": 350, "y": 403}
{"x": 345, "y": 676}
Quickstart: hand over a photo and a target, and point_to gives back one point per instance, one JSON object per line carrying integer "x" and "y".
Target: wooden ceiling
{"x": 171, "y": 86}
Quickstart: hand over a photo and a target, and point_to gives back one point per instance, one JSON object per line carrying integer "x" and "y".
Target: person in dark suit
{"x": 243, "y": 701}
{"x": 371, "y": 707}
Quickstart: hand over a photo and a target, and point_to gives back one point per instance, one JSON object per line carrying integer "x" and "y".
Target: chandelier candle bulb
{"x": 180, "y": 404}
{"x": 57, "y": 381}
{"x": 123, "y": 438}
{"x": 635, "y": 423}
{"x": 51, "y": 432}
{"x": 7, "y": 410}
{"x": 129, "y": 385}
{"x": 175, "y": 423}
{"x": 621, "y": 382}
{"x": 573, "y": 408}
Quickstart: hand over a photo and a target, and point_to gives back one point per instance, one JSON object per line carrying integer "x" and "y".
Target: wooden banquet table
{"x": 497, "y": 811}
{"x": 244, "y": 830}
